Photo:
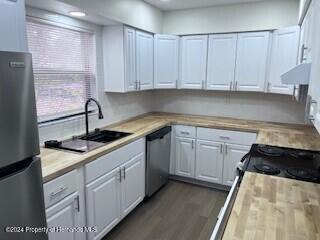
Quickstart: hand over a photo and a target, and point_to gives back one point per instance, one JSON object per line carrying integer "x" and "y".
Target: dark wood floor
{"x": 178, "y": 211}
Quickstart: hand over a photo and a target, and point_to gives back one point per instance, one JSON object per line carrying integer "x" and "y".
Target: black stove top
{"x": 284, "y": 162}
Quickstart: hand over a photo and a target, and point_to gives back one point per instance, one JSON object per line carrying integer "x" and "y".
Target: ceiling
{"x": 64, "y": 9}
{"x": 169, "y": 5}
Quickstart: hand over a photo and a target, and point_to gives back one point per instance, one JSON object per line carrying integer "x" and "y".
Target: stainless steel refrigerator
{"x": 21, "y": 190}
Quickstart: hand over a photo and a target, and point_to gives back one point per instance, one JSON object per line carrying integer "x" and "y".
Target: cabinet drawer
{"x": 112, "y": 160}
{"x": 244, "y": 138}
{"x": 185, "y": 131}
{"x": 59, "y": 188}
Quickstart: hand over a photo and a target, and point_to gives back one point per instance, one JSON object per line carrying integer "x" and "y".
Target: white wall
{"x": 232, "y": 18}
{"x": 255, "y": 106}
{"x": 115, "y": 107}
{"x": 136, "y": 13}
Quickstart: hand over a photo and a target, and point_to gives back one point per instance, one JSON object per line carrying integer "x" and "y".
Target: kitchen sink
{"x": 104, "y": 136}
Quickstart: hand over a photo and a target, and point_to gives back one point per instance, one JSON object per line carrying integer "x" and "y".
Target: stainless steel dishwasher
{"x": 158, "y": 159}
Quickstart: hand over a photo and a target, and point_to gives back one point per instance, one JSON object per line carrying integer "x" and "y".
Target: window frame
{"x": 80, "y": 114}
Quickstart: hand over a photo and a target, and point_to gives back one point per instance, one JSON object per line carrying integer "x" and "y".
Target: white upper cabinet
{"x": 221, "y": 61}
{"x": 144, "y": 60}
{"x": 119, "y": 58}
{"x": 13, "y": 34}
{"x": 166, "y": 61}
{"x": 251, "y": 63}
{"x": 193, "y": 61}
{"x": 284, "y": 56}
{"x": 130, "y": 59}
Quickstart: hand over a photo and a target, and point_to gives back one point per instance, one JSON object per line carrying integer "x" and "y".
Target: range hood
{"x": 299, "y": 75}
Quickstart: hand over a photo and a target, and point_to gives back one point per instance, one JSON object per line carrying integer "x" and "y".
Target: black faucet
{"x": 86, "y": 113}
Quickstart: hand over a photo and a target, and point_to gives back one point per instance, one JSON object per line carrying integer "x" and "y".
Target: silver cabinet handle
{"x": 192, "y": 144}
{"x": 268, "y": 86}
{"x": 224, "y": 137}
{"x": 294, "y": 91}
{"x": 77, "y": 203}
{"x": 136, "y": 85}
{"x": 231, "y": 86}
{"x": 221, "y": 148}
{"x": 185, "y": 132}
{"x": 236, "y": 85}
{"x": 226, "y": 149}
{"x": 120, "y": 175}
{"x": 57, "y": 192}
{"x": 303, "y": 49}
{"x": 124, "y": 172}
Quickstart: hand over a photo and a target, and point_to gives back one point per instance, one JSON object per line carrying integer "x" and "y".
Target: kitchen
{"x": 159, "y": 119}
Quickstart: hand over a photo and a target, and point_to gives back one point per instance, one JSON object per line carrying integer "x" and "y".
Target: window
{"x": 64, "y": 68}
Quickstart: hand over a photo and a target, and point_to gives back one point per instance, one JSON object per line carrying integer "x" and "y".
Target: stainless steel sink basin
{"x": 104, "y": 136}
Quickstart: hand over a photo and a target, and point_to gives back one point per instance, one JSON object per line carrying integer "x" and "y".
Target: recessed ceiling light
{"x": 77, "y": 14}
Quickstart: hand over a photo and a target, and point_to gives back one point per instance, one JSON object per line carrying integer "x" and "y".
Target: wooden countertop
{"x": 56, "y": 163}
{"x": 269, "y": 207}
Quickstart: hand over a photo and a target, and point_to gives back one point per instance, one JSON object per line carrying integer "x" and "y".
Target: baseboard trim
{"x": 200, "y": 183}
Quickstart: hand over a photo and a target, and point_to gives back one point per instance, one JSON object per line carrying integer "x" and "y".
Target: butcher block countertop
{"x": 269, "y": 207}
{"x": 56, "y": 163}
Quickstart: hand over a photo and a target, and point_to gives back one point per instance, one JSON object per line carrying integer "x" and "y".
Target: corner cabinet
{"x": 251, "y": 63}
{"x": 166, "y": 61}
{"x": 221, "y": 61}
{"x": 13, "y": 34}
{"x": 115, "y": 185}
{"x": 193, "y": 59}
{"x": 284, "y": 56}
{"x": 128, "y": 59}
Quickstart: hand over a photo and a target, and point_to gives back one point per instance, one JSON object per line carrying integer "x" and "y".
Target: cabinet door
{"x": 130, "y": 58}
{"x": 185, "y": 156}
{"x": 221, "y": 61}
{"x": 193, "y": 61}
{"x": 232, "y": 156}
{"x": 64, "y": 214}
{"x": 13, "y": 26}
{"x": 166, "y": 61}
{"x": 209, "y": 161}
{"x": 251, "y": 63}
{"x": 133, "y": 183}
{"x": 144, "y": 56}
{"x": 284, "y": 56}
{"x": 103, "y": 203}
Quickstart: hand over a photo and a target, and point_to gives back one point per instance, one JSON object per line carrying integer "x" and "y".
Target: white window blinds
{"x": 64, "y": 69}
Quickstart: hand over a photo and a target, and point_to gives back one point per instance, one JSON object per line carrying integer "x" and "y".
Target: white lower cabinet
{"x": 103, "y": 203}
{"x": 64, "y": 201}
{"x": 65, "y": 213}
{"x": 185, "y": 156}
{"x": 133, "y": 187}
{"x": 212, "y": 155}
{"x": 209, "y": 163}
{"x": 233, "y": 153}
{"x": 115, "y": 186}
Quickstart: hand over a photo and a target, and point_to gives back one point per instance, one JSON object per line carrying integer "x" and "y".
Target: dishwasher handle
{"x": 158, "y": 134}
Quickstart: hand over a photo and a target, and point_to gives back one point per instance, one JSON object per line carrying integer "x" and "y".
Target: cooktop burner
{"x": 284, "y": 162}
{"x": 267, "y": 169}
{"x": 303, "y": 174}
{"x": 270, "y": 151}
